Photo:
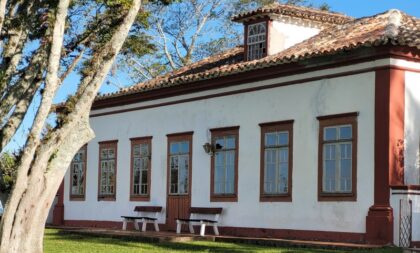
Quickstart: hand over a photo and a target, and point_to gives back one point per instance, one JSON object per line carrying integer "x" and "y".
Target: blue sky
{"x": 354, "y": 8}
{"x": 361, "y": 8}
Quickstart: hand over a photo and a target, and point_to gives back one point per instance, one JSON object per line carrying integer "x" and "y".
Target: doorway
{"x": 179, "y": 178}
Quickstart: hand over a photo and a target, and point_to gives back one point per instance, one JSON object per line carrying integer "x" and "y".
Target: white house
{"x": 311, "y": 131}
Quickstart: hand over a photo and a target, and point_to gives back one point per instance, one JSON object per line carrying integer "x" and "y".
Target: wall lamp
{"x": 208, "y": 148}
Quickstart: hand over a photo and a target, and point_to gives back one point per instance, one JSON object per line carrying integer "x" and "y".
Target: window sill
{"x": 77, "y": 198}
{"x": 139, "y": 198}
{"x": 224, "y": 198}
{"x": 106, "y": 198}
{"x": 337, "y": 197}
{"x": 276, "y": 198}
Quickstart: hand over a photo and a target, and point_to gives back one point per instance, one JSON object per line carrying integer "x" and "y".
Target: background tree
{"x": 7, "y": 175}
{"x": 189, "y": 31}
{"x": 43, "y": 42}
{"x": 7, "y": 172}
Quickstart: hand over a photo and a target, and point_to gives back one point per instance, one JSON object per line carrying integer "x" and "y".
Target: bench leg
{"x": 156, "y": 226}
{"x": 136, "y": 225}
{"x": 191, "y": 227}
{"x": 124, "y": 224}
{"x": 215, "y": 229}
{"x": 203, "y": 229}
{"x": 178, "y": 227}
{"x": 144, "y": 224}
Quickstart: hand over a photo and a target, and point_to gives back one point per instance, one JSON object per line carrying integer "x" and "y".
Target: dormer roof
{"x": 300, "y": 12}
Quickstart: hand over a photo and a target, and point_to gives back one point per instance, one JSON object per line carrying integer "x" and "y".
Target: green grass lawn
{"x": 56, "y": 242}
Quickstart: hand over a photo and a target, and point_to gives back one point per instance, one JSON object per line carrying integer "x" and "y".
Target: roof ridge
{"x": 296, "y": 11}
{"x": 394, "y": 23}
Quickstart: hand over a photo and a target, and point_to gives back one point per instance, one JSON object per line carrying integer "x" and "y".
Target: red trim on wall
{"x": 348, "y": 73}
{"x": 96, "y": 224}
{"x": 406, "y": 187}
{"x": 244, "y": 232}
{"x": 415, "y": 244}
{"x": 389, "y": 136}
{"x": 396, "y": 125}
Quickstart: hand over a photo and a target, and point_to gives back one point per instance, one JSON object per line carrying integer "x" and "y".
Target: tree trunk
{"x": 27, "y": 230}
{"x": 44, "y": 163}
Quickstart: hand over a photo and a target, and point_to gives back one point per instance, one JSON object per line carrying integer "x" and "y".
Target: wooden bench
{"x": 145, "y": 214}
{"x": 195, "y": 214}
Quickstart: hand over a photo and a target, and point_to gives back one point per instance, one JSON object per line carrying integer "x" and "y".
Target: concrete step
{"x": 411, "y": 250}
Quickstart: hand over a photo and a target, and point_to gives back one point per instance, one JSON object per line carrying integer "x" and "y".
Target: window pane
{"x": 270, "y": 139}
{"x": 345, "y": 172}
{"x": 104, "y": 154}
{"x": 270, "y": 172}
{"x": 219, "y": 174}
{"x": 230, "y": 172}
{"x": 230, "y": 142}
{"x": 330, "y": 134}
{"x": 136, "y": 150}
{"x": 111, "y": 153}
{"x": 144, "y": 149}
{"x": 219, "y": 143}
{"x": 283, "y": 138}
{"x": 283, "y": 155}
{"x": 183, "y": 174}
{"x": 345, "y": 132}
{"x": 185, "y": 147}
{"x": 174, "y": 148}
{"x": 329, "y": 168}
{"x": 284, "y": 177}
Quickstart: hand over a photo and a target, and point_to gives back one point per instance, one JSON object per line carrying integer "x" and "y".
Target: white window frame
{"x": 143, "y": 159}
{"x": 257, "y": 43}
{"x": 79, "y": 159}
{"x": 337, "y": 143}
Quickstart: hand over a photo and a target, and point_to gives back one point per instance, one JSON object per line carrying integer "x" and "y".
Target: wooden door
{"x": 179, "y": 178}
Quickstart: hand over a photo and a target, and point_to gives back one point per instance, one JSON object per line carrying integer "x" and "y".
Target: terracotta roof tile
{"x": 294, "y": 11}
{"x": 392, "y": 27}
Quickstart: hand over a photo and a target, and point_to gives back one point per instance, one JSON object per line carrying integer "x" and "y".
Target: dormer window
{"x": 257, "y": 41}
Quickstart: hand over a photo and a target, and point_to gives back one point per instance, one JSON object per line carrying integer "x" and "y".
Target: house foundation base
{"x": 379, "y": 225}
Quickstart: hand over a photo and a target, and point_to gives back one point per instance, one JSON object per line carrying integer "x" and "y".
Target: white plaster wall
{"x": 302, "y": 102}
{"x": 412, "y": 128}
{"x": 414, "y": 196}
{"x": 287, "y": 34}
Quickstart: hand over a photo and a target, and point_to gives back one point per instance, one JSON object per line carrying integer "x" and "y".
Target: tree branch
{"x": 14, "y": 93}
{"x": 165, "y": 45}
{"x": 2, "y": 13}
{"x": 73, "y": 65}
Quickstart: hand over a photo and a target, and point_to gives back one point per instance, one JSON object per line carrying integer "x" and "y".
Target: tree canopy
{"x": 188, "y": 31}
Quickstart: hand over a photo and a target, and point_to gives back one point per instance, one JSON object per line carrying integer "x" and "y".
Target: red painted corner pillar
{"x": 58, "y": 212}
{"x": 389, "y": 150}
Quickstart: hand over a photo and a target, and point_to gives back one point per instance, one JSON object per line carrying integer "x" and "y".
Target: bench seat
{"x": 198, "y": 220}
{"x": 138, "y": 218}
{"x": 143, "y": 217}
{"x": 193, "y": 220}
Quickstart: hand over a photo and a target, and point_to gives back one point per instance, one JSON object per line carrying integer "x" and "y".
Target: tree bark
{"x": 45, "y": 162}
